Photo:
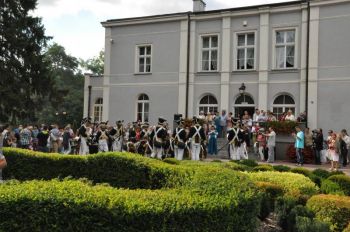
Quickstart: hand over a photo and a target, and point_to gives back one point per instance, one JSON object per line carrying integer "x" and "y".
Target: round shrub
{"x": 281, "y": 168}
{"x": 316, "y": 179}
{"x": 343, "y": 181}
{"x": 249, "y": 163}
{"x": 234, "y": 166}
{"x": 330, "y": 187}
{"x": 263, "y": 168}
{"x": 347, "y": 229}
{"x": 321, "y": 173}
{"x": 171, "y": 161}
{"x": 292, "y": 183}
{"x": 216, "y": 161}
{"x": 333, "y": 173}
{"x": 302, "y": 171}
{"x": 305, "y": 224}
{"x": 331, "y": 209}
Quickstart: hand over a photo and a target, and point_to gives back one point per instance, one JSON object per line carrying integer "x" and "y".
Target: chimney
{"x": 198, "y": 5}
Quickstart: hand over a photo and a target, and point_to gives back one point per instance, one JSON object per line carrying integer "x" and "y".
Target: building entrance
{"x": 243, "y": 103}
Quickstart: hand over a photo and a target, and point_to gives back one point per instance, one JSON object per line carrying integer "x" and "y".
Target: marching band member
{"x": 235, "y": 138}
{"x": 179, "y": 136}
{"x": 84, "y": 133}
{"x": 102, "y": 137}
{"x": 158, "y": 136}
{"x": 196, "y": 137}
{"x": 118, "y": 134}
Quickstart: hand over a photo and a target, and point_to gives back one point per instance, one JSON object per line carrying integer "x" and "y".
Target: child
{"x": 261, "y": 139}
{"x": 212, "y": 138}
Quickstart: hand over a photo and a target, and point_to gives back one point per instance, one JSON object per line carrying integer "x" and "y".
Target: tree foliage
{"x": 25, "y": 78}
{"x": 67, "y": 107}
{"x": 95, "y": 65}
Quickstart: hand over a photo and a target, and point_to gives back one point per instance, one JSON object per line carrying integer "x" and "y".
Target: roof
{"x": 180, "y": 15}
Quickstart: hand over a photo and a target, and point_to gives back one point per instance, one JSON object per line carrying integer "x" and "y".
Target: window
{"x": 209, "y": 53}
{"x": 285, "y": 49}
{"x": 245, "y": 51}
{"x": 144, "y": 59}
{"x": 208, "y": 103}
{"x": 98, "y": 107}
{"x": 283, "y": 103}
{"x": 143, "y": 108}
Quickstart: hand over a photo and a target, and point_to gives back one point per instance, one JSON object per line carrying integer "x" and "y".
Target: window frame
{"x": 200, "y": 63}
{"x": 138, "y": 56}
{"x": 99, "y": 106}
{"x": 284, "y": 106}
{"x": 235, "y": 105}
{"x": 296, "y": 45}
{"x": 236, "y": 47}
{"x": 208, "y": 106}
{"x": 143, "y": 102}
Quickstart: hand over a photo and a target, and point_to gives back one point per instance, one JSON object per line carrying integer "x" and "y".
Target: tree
{"x": 25, "y": 78}
{"x": 95, "y": 64}
{"x": 69, "y": 83}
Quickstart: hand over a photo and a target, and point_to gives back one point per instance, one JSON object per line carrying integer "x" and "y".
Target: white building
{"x": 293, "y": 55}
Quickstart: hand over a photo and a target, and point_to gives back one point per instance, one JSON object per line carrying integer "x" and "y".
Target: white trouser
{"x": 84, "y": 148}
{"x": 261, "y": 153}
{"x": 236, "y": 152}
{"x": 117, "y": 145}
{"x": 69, "y": 149}
{"x": 102, "y": 145}
{"x": 179, "y": 153}
{"x": 157, "y": 152}
{"x": 195, "y": 150}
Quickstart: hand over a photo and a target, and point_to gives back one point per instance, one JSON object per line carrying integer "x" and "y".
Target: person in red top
{"x": 261, "y": 139}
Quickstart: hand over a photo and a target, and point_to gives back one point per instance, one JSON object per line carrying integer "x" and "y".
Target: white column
{"x": 107, "y": 74}
{"x": 303, "y": 60}
{"x": 225, "y": 63}
{"x": 182, "y": 68}
{"x": 313, "y": 67}
{"x": 191, "y": 102}
{"x": 263, "y": 57}
{"x": 86, "y": 94}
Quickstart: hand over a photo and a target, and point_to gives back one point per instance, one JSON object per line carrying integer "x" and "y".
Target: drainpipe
{"x": 89, "y": 101}
{"x": 307, "y": 63}
{"x": 188, "y": 60}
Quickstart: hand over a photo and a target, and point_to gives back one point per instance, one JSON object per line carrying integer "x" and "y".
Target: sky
{"x": 76, "y": 24}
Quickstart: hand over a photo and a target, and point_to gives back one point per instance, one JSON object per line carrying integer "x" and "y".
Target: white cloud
{"x": 64, "y": 19}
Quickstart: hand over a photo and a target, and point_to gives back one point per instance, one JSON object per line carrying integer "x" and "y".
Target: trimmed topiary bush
{"x": 249, "y": 163}
{"x": 330, "y": 187}
{"x": 321, "y": 173}
{"x": 343, "y": 182}
{"x": 171, "y": 161}
{"x": 302, "y": 171}
{"x": 347, "y": 229}
{"x": 124, "y": 170}
{"x": 292, "y": 183}
{"x": 331, "y": 209}
{"x": 305, "y": 224}
{"x": 281, "y": 168}
{"x": 71, "y": 205}
{"x": 216, "y": 161}
{"x": 263, "y": 168}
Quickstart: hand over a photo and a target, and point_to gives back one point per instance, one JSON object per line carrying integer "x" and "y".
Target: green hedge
{"x": 203, "y": 197}
{"x": 343, "y": 182}
{"x": 117, "y": 169}
{"x": 71, "y": 205}
{"x": 330, "y": 187}
{"x": 331, "y": 209}
{"x": 281, "y": 168}
{"x": 263, "y": 168}
{"x": 292, "y": 183}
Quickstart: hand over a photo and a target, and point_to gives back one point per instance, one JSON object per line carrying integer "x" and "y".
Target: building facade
{"x": 293, "y": 55}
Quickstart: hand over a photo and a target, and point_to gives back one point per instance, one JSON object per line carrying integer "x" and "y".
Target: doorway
{"x": 243, "y": 103}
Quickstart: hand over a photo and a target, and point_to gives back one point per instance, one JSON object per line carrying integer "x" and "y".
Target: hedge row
{"x": 331, "y": 209}
{"x": 71, "y": 205}
{"x": 117, "y": 169}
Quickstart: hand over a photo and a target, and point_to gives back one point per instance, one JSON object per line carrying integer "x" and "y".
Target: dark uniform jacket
{"x": 231, "y": 134}
{"x": 195, "y": 137}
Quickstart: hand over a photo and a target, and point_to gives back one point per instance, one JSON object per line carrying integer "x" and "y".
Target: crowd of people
{"x": 194, "y": 138}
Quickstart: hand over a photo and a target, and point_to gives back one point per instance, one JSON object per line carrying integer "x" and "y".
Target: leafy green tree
{"x": 67, "y": 107}
{"x": 25, "y": 80}
{"x": 95, "y": 64}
